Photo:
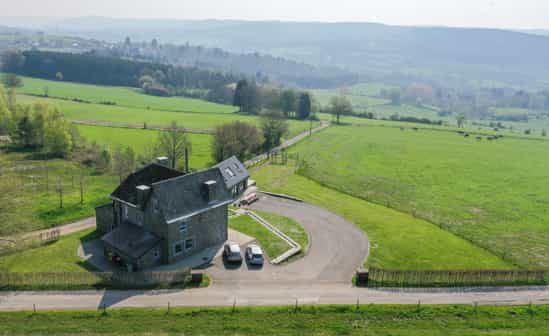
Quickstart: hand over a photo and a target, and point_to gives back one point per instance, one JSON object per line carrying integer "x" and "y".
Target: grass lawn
{"x": 492, "y": 193}
{"x": 60, "y": 256}
{"x": 140, "y": 115}
{"x": 307, "y": 320}
{"x": 398, "y": 240}
{"x": 140, "y": 140}
{"x": 122, "y": 96}
{"x": 272, "y": 245}
{"x": 289, "y": 226}
{"x": 28, "y": 197}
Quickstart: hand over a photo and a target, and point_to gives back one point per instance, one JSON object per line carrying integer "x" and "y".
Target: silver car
{"x": 254, "y": 255}
{"x": 231, "y": 252}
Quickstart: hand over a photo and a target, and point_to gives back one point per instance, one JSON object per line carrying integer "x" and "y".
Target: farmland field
{"x": 140, "y": 140}
{"x": 98, "y": 112}
{"x": 492, "y": 193}
{"x": 398, "y": 240}
{"x": 122, "y": 96}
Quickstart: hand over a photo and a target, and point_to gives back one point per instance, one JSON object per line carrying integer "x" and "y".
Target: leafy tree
{"x": 237, "y": 138}
{"x": 239, "y": 94}
{"x": 304, "y": 106}
{"x": 123, "y": 160}
{"x": 340, "y": 106}
{"x": 24, "y": 132}
{"x": 247, "y": 97}
{"x": 6, "y": 119}
{"x": 460, "y": 118}
{"x": 57, "y": 135}
{"x": 174, "y": 143}
{"x": 273, "y": 125}
{"x": 12, "y": 60}
{"x": 12, "y": 81}
{"x": 287, "y": 101}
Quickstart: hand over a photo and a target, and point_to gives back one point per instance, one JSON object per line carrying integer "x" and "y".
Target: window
{"x": 183, "y": 226}
{"x": 189, "y": 244}
{"x": 178, "y": 248}
{"x": 156, "y": 254}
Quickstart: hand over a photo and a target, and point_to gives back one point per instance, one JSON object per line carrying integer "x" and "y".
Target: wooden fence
{"x": 400, "y": 278}
{"x": 67, "y": 280}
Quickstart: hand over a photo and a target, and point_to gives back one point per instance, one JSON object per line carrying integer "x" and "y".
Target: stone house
{"x": 159, "y": 215}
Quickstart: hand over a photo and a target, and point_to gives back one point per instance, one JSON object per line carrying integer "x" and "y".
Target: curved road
{"x": 321, "y": 277}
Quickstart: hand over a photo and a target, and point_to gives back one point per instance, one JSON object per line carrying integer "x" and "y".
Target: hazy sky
{"x": 477, "y": 13}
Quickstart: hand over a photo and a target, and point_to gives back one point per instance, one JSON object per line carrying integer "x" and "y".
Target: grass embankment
{"x": 272, "y": 245}
{"x": 29, "y": 198}
{"x": 492, "y": 193}
{"x": 398, "y": 240}
{"x": 121, "y": 96}
{"x": 306, "y": 320}
{"x": 140, "y": 140}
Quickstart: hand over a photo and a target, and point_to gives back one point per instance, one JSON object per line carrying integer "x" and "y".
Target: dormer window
{"x": 229, "y": 172}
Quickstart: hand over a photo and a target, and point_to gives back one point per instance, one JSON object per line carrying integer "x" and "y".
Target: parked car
{"x": 254, "y": 255}
{"x": 249, "y": 199}
{"x": 231, "y": 252}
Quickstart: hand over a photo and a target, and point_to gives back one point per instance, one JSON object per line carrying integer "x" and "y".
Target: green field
{"x": 307, "y": 320}
{"x": 398, "y": 240}
{"x": 60, "y": 256}
{"x": 141, "y": 140}
{"x": 492, "y": 193}
{"x": 28, "y": 196}
{"x": 122, "y": 96}
{"x": 133, "y": 115}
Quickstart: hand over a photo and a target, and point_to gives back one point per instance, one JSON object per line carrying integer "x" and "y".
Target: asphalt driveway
{"x": 337, "y": 248}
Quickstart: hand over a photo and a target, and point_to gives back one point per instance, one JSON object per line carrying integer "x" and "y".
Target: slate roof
{"x": 131, "y": 240}
{"x": 233, "y": 171}
{"x": 186, "y": 195}
{"x": 147, "y": 175}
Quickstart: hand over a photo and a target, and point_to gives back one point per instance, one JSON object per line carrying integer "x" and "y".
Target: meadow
{"x": 397, "y": 240}
{"x": 141, "y": 140}
{"x": 306, "y": 320}
{"x": 29, "y": 194}
{"x": 121, "y": 96}
{"x": 491, "y": 193}
{"x": 139, "y": 116}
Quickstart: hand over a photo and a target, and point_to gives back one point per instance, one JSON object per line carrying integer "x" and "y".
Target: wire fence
{"x": 414, "y": 278}
{"x": 76, "y": 280}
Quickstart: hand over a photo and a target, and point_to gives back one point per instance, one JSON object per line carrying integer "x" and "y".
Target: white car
{"x": 231, "y": 252}
{"x": 254, "y": 255}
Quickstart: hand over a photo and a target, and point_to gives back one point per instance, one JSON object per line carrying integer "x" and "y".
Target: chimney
{"x": 142, "y": 195}
{"x": 163, "y": 161}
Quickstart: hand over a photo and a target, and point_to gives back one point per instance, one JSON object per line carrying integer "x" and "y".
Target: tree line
{"x": 160, "y": 79}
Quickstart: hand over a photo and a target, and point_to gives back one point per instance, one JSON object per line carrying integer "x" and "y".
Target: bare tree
{"x": 174, "y": 143}
{"x": 59, "y": 189}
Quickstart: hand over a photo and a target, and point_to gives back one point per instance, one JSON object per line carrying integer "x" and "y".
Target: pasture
{"x": 141, "y": 140}
{"x": 29, "y": 197}
{"x": 139, "y": 116}
{"x": 121, "y": 96}
{"x": 398, "y": 240}
{"x": 492, "y": 193}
